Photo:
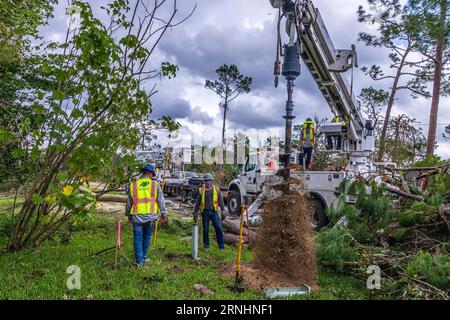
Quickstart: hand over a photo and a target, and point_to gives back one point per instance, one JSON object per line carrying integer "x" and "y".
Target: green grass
{"x": 40, "y": 273}
{"x": 7, "y": 203}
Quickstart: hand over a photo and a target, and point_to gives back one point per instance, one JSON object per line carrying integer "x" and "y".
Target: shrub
{"x": 431, "y": 268}
{"x": 337, "y": 245}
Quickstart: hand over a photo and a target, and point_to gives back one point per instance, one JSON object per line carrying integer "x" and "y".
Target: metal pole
{"x": 288, "y": 133}
{"x": 195, "y": 242}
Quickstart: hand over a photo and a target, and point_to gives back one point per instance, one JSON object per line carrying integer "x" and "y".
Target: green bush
{"x": 431, "y": 268}
{"x": 337, "y": 245}
{"x": 429, "y": 161}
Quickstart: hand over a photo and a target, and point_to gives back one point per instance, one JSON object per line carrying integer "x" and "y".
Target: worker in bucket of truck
{"x": 307, "y": 140}
{"x": 209, "y": 200}
{"x": 144, "y": 207}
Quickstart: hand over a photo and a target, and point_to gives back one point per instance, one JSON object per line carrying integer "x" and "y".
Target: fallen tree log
{"x": 112, "y": 198}
{"x": 412, "y": 169}
{"x": 397, "y": 191}
{"x": 234, "y": 226}
{"x": 233, "y": 238}
{"x": 104, "y": 197}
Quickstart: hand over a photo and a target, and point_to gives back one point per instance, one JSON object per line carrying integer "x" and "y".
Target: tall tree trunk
{"x": 223, "y": 144}
{"x": 437, "y": 82}
{"x": 391, "y": 100}
{"x": 225, "y": 107}
{"x": 397, "y": 136}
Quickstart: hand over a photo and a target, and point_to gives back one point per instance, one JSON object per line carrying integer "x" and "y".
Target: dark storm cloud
{"x": 178, "y": 109}
{"x": 201, "y": 53}
{"x": 254, "y": 116}
{"x": 243, "y": 33}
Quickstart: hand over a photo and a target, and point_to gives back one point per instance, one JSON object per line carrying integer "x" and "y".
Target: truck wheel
{"x": 319, "y": 218}
{"x": 234, "y": 203}
{"x": 190, "y": 197}
{"x": 183, "y": 196}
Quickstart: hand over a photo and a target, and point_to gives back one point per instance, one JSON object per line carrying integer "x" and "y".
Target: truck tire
{"x": 234, "y": 203}
{"x": 319, "y": 218}
{"x": 183, "y": 196}
{"x": 190, "y": 197}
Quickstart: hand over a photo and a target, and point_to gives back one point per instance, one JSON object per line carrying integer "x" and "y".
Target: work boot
{"x": 143, "y": 267}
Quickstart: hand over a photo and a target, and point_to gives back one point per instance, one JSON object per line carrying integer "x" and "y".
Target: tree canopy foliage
{"x": 82, "y": 109}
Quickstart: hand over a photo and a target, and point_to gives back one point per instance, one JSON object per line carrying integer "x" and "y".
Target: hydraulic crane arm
{"x": 325, "y": 63}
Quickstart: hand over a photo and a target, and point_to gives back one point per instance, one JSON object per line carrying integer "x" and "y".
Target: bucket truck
{"x": 309, "y": 40}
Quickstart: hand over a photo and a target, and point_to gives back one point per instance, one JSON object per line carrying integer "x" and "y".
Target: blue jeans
{"x": 207, "y": 216}
{"x": 307, "y": 154}
{"x": 142, "y": 237}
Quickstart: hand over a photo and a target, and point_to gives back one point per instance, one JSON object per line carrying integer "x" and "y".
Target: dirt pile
{"x": 284, "y": 242}
{"x": 284, "y": 247}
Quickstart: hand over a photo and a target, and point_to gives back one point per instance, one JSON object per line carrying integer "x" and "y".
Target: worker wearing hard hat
{"x": 144, "y": 207}
{"x": 307, "y": 141}
{"x": 337, "y": 138}
{"x": 209, "y": 200}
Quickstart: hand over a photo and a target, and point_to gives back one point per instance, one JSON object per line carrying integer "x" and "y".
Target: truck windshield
{"x": 191, "y": 175}
{"x": 251, "y": 164}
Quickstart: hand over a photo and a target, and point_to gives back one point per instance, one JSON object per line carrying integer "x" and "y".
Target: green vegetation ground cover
{"x": 40, "y": 273}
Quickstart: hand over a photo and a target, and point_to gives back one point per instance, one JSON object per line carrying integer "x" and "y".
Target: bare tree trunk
{"x": 391, "y": 101}
{"x": 436, "y": 83}
{"x": 223, "y": 149}
{"x": 225, "y": 108}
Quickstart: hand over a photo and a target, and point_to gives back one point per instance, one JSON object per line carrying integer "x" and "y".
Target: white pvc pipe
{"x": 195, "y": 242}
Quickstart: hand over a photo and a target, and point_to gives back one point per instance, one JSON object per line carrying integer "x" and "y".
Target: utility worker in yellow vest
{"x": 144, "y": 207}
{"x": 337, "y": 138}
{"x": 307, "y": 141}
{"x": 209, "y": 200}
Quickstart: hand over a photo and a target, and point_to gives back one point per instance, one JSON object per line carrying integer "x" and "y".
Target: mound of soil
{"x": 284, "y": 245}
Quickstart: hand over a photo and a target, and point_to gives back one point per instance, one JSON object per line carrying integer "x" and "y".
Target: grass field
{"x": 40, "y": 273}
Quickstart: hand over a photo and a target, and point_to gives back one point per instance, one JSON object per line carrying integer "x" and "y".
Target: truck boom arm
{"x": 326, "y": 64}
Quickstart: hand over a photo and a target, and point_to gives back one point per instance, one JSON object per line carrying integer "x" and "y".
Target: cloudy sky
{"x": 243, "y": 32}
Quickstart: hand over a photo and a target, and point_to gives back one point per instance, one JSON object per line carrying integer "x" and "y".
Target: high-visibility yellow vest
{"x": 215, "y": 199}
{"x": 311, "y": 133}
{"x": 339, "y": 119}
{"x": 145, "y": 195}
